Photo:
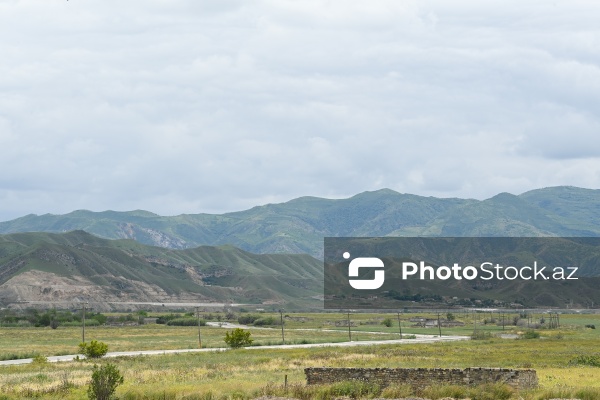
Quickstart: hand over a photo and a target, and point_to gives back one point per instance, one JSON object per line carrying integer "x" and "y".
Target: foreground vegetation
{"x": 566, "y": 361}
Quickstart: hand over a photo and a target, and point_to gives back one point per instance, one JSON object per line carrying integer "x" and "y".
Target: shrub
{"x": 163, "y": 319}
{"x": 100, "y": 318}
{"x": 40, "y": 359}
{"x": 247, "y": 319}
{"x": 266, "y": 321}
{"x": 230, "y": 316}
{"x": 238, "y": 338}
{"x": 481, "y": 335}
{"x": 591, "y": 326}
{"x": 530, "y": 334}
{"x": 94, "y": 349}
{"x": 104, "y": 382}
{"x": 387, "y": 322}
{"x": 589, "y": 360}
{"x": 587, "y": 394}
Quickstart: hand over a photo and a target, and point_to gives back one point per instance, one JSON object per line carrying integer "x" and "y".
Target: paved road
{"x": 419, "y": 339}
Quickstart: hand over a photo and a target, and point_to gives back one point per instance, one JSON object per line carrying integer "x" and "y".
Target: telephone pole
{"x": 282, "y": 333}
{"x": 83, "y": 324}
{"x": 399, "y": 325}
{"x": 349, "y": 330}
{"x": 199, "y": 334}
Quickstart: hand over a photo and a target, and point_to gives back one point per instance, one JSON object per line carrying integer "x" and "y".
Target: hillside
{"x": 298, "y": 226}
{"x": 76, "y": 266}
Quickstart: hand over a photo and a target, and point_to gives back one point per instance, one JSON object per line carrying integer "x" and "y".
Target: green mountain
{"x": 50, "y": 268}
{"x": 298, "y": 226}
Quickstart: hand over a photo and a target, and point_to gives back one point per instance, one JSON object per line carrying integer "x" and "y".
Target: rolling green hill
{"x": 298, "y": 226}
{"x": 77, "y": 266}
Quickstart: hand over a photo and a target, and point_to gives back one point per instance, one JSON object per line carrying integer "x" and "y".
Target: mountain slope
{"x": 298, "y": 226}
{"x": 77, "y": 266}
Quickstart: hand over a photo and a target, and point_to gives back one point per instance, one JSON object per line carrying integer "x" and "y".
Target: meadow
{"x": 242, "y": 374}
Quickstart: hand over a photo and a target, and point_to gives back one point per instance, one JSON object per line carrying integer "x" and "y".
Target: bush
{"x": 481, "y": 335}
{"x": 94, "y": 349}
{"x": 267, "y": 321}
{"x": 587, "y": 394}
{"x": 100, "y": 318}
{"x": 163, "y": 319}
{"x": 238, "y": 338}
{"x": 40, "y": 359}
{"x": 589, "y": 360}
{"x": 104, "y": 382}
{"x": 247, "y": 319}
{"x": 387, "y": 322}
{"x": 530, "y": 334}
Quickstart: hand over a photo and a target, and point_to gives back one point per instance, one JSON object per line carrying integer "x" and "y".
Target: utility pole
{"x": 349, "y": 330}
{"x": 439, "y": 325}
{"x": 199, "y": 334}
{"x": 83, "y": 324}
{"x": 282, "y": 334}
{"x": 399, "y": 325}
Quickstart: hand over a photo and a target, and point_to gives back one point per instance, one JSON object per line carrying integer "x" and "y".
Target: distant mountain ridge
{"x": 299, "y": 225}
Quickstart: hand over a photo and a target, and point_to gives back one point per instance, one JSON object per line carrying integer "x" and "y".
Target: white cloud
{"x": 211, "y": 106}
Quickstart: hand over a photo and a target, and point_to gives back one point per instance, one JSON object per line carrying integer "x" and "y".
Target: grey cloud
{"x": 211, "y": 106}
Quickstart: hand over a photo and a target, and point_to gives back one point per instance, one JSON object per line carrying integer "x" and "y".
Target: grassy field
{"x": 241, "y": 374}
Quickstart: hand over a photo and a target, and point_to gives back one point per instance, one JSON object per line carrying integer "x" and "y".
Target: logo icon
{"x": 366, "y": 262}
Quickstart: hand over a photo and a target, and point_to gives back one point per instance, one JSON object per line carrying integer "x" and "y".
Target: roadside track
{"x": 419, "y": 339}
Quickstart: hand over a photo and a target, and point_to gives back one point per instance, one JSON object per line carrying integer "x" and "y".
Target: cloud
{"x": 213, "y": 106}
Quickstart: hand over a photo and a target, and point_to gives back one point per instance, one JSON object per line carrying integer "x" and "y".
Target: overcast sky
{"x": 189, "y": 106}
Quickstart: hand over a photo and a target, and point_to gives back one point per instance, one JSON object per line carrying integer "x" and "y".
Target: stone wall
{"x": 422, "y": 377}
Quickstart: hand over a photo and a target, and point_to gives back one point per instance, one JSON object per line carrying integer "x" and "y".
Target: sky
{"x": 187, "y": 106}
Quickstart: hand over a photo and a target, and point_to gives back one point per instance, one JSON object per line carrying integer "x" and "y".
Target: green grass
{"x": 299, "y": 328}
{"x": 65, "y": 340}
{"x": 249, "y": 373}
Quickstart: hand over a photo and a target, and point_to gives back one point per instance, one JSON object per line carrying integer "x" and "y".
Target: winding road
{"x": 418, "y": 339}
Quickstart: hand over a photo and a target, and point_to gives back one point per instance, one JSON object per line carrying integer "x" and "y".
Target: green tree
{"x": 238, "y": 338}
{"x": 104, "y": 383}
{"x": 387, "y": 322}
{"x": 94, "y": 349}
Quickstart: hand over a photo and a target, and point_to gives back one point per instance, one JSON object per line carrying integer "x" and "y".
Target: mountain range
{"x": 299, "y": 226}
{"x": 268, "y": 255}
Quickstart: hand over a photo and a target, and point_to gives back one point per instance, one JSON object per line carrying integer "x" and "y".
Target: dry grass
{"x": 246, "y": 373}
